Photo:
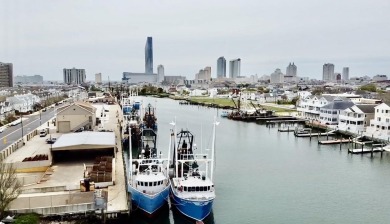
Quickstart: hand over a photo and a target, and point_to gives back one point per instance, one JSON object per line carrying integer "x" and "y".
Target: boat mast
{"x": 213, "y": 148}
{"x": 130, "y": 155}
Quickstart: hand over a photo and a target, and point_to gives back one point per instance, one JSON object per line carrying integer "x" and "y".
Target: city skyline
{"x": 356, "y": 36}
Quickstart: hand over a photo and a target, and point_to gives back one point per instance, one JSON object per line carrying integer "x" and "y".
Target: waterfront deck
{"x": 334, "y": 141}
{"x": 311, "y": 134}
{"x": 117, "y": 201}
{"x": 365, "y": 150}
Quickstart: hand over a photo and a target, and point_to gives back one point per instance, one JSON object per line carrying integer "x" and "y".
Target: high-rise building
{"x": 74, "y": 76}
{"x": 98, "y": 78}
{"x": 328, "y": 72}
{"x": 149, "y": 56}
{"x": 345, "y": 74}
{"x": 207, "y": 73}
{"x": 6, "y": 74}
{"x": 234, "y": 68}
{"x": 277, "y": 76}
{"x": 291, "y": 70}
{"x": 160, "y": 73}
{"x": 221, "y": 67}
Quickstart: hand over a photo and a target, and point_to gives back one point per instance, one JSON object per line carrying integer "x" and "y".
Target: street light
{"x": 21, "y": 122}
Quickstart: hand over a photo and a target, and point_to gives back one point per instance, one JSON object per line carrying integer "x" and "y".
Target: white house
{"x": 380, "y": 125}
{"x": 329, "y": 114}
{"x": 355, "y": 119}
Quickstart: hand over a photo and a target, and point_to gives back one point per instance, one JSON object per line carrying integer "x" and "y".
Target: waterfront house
{"x": 355, "y": 119}
{"x": 309, "y": 107}
{"x": 329, "y": 114}
{"x": 76, "y": 116}
{"x": 380, "y": 125}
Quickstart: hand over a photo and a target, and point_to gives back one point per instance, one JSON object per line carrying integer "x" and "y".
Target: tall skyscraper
{"x": 98, "y": 78}
{"x": 328, "y": 72}
{"x": 6, "y": 75}
{"x": 345, "y": 74}
{"x": 291, "y": 70}
{"x": 234, "y": 68}
{"x": 221, "y": 67}
{"x": 160, "y": 73}
{"x": 149, "y": 56}
{"x": 74, "y": 76}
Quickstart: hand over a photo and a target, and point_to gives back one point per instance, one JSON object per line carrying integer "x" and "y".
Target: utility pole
{"x": 21, "y": 122}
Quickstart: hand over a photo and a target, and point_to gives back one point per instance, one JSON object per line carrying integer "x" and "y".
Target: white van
{"x": 43, "y": 133}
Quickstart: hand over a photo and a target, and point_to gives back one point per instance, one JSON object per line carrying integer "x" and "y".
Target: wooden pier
{"x": 310, "y": 134}
{"x": 334, "y": 141}
{"x": 365, "y": 150}
{"x": 275, "y": 118}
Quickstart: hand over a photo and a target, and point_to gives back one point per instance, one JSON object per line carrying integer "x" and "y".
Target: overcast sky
{"x": 45, "y": 36}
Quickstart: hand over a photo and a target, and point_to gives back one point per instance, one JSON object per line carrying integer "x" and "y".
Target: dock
{"x": 334, "y": 141}
{"x": 329, "y": 133}
{"x": 286, "y": 121}
{"x": 365, "y": 150}
{"x": 275, "y": 118}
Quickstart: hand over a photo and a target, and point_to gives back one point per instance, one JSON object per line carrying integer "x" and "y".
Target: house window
{"x": 379, "y": 119}
{"x": 90, "y": 118}
{"x": 377, "y": 110}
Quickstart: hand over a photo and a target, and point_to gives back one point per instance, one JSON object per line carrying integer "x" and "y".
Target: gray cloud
{"x": 44, "y": 36}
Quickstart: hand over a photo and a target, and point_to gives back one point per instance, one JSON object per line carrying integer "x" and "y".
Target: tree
{"x": 10, "y": 188}
{"x": 369, "y": 87}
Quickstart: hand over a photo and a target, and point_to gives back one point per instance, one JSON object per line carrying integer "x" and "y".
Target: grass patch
{"x": 27, "y": 219}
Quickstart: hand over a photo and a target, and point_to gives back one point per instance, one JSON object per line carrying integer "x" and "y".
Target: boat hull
{"x": 197, "y": 210}
{"x": 148, "y": 203}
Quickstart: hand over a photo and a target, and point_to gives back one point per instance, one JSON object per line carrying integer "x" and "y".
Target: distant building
{"x": 337, "y": 77}
{"x": 277, "y": 76}
{"x": 6, "y": 74}
{"x": 345, "y": 74}
{"x": 74, "y": 76}
{"x": 234, "y": 68}
{"x": 149, "y": 56}
{"x": 379, "y": 78}
{"x": 204, "y": 74}
{"x": 328, "y": 72}
{"x": 160, "y": 73}
{"x": 174, "y": 80}
{"x": 207, "y": 73}
{"x": 25, "y": 79}
{"x": 291, "y": 70}
{"x": 135, "y": 78}
{"x": 98, "y": 78}
{"x": 221, "y": 67}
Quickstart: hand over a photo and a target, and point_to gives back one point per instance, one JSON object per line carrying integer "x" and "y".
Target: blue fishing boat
{"x": 192, "y": 188}
{"x": 148, "y": 180}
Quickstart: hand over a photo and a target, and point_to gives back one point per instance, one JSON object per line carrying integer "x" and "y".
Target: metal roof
{"x": 85, "y": 140}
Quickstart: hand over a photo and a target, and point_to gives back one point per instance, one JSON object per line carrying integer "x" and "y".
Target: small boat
{"x": 225, "y": 113}
{"x": 192, "y": 188}
{"x": 303, "y": 131}
{"x": 148, "y": 180}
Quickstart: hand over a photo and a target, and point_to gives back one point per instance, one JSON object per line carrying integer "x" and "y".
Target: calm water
{"x": 263, "y": 176}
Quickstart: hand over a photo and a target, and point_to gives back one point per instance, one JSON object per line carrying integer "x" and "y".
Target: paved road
{"x": 13, "y": 133}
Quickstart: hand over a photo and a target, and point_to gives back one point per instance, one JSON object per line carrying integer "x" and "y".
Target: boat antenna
{"x": 130, "y": 155}
{"x": 213, "y": 155}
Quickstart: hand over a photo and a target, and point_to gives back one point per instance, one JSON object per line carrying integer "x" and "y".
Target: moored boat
{"x": 192, "y": 187}
{"x": 148, "y": 180}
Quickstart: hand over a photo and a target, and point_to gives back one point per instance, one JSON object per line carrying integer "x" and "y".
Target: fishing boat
{"x": 245, "y": 110}
{"x": 192, "y": 187}
{"x": 131, "y": 118}
{"x": 148, "y": 180}
{"x": 149, "y": 120}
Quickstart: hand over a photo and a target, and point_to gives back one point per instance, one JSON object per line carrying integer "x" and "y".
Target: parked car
{"x": 2, "y": 128}
{"x": 43, "y": 133}
{"x": 51, "y": 140}
{"x": 44, "y": 110}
